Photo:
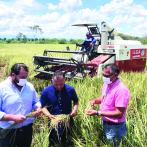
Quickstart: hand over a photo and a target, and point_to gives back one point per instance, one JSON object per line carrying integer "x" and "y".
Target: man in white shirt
{"x": 17, "y": 99}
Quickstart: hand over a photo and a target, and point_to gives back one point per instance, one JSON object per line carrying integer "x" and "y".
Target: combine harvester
{"x": 129, "y": 55}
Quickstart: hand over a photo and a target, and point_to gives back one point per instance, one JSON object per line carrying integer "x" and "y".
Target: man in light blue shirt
{"x": 17, "y": 99}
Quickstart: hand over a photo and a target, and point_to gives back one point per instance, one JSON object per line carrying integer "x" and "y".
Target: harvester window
{"x": 94, "y": 31}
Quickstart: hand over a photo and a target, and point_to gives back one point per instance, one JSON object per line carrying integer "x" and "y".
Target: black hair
{"x": 113, "y": 68}
{"x": 58, "y": 75}
{"x": 17, "y": 67}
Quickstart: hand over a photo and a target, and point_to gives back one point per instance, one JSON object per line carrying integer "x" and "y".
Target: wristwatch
{"x": 99, "y": 113}
{"x": 75, "y": 109}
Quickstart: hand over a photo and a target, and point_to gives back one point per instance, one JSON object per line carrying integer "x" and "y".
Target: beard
{"x": 16, "y": 81}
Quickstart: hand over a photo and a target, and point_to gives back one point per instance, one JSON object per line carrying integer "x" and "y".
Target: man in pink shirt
{"x": 114, "y": 99}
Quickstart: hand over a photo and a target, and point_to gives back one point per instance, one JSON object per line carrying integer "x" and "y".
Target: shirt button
{"x": 60, "y": 104}
{"x": 60, "y": 110}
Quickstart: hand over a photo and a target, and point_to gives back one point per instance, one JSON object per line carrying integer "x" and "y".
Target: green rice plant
{"x": 88, "y": 130}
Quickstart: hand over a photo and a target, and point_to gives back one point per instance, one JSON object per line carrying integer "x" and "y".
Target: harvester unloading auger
{"x": 129, "y": 55}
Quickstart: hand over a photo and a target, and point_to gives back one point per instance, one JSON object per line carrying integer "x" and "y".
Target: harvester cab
{"x": 129, "y": 55}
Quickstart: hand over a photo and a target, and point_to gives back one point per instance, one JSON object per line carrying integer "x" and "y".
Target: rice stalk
{"x": 8, "y": 129}
{"x": 88, "y": 107}
{"x": 60, "y": 120}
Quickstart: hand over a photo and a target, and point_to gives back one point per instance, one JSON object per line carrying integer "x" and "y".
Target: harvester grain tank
{"x": 129, "y": 55}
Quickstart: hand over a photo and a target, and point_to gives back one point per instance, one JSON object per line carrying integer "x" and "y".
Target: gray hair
{"x": 58, "y": 75}
{"x": 113, "y": 68}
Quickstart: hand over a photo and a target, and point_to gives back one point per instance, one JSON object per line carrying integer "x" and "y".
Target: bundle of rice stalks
{"x": 61, "y": 120}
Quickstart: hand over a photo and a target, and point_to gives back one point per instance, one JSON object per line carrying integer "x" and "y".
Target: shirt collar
{"x": 9, "y": 82}
{"x": 114, "y": 82}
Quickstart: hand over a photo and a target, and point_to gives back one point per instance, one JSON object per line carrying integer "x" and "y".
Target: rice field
{"x": 88, "y": 130}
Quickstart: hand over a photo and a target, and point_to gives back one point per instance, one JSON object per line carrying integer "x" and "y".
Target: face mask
{"x": 107, "y": 80}
{"x": 20, "y": 82}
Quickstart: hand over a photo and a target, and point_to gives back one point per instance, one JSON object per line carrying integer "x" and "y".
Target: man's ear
{"x": 116, "y": 75}
{"x": 13, "y": 74}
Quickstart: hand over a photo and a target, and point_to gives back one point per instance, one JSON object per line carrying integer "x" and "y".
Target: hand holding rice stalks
{"x": 14, "y": 125}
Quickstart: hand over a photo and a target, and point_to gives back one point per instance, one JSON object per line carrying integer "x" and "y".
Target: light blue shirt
{"x": 12, "y": 101}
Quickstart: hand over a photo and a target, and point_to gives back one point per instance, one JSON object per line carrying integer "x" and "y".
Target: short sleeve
{"x": 121, "y": 97}
{"x": 43, "y": 98}
{"x": 74, "y": 96}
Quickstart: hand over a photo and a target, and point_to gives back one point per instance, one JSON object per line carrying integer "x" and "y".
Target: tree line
{"x": 24, "y": 39}
{"x": 40, "y": 41}
{"x": 21, "y": 38}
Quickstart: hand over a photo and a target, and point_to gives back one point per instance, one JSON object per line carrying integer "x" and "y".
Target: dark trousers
{"x": 62, "y": 137}
{"x": 58, "y": 139}
{"x": 20, "y": 137}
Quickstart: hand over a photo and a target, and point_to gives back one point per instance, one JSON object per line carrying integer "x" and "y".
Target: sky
{"x": 55, "y": 17}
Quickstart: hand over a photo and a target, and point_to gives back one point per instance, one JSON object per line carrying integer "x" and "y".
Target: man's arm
{"x": 46, "y": 112}
{"x": 118, "y": 113}
{"x": 74, "y": 111}
{"x": 16, "y": 118}
{"x": 76, "y": 103}
{"x": 9, "y": 117}
{"x": 96, "y": 101}
{"x": 93, "y": 40}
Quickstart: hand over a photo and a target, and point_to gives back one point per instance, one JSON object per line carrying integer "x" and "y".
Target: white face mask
{"x": 107, "y": 80}
{"x": 20, "y": 82}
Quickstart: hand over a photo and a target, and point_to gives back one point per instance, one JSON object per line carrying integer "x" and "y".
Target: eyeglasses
{"x": 107, "y": 76}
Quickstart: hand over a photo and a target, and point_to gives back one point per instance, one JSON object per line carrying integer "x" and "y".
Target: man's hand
{"x": 91, "y": 112}
{"x": 91, "y": 44}
{"x": 19, "y": 118}
{"x": 37, "y": 113}
{"x": 73, "y": 113}
{"x": 51, "y": 117}
{"x": 92, "y": 103}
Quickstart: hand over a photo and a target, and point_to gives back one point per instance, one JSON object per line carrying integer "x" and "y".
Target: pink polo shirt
{"x": 117, "y": 96}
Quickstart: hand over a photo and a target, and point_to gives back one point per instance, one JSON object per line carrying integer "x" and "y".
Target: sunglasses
{"x": 107, "y": 76}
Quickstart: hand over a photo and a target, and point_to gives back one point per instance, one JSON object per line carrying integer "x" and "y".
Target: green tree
{"x": 24, "y": 39}
{"x": 79, "y": 41}
{"x": 72, "y": 41}
{"x": 8, "y": 40}
{"x": 62, "y": 41}
{"x": 35, "y": 29}
{"x": 19, "y": 36}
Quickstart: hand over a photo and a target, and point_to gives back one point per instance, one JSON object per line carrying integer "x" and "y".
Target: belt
{"x": 111, "y": 123}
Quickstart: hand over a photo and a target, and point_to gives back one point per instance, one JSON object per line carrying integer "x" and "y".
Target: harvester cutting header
{"x": 129, "y": 55}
